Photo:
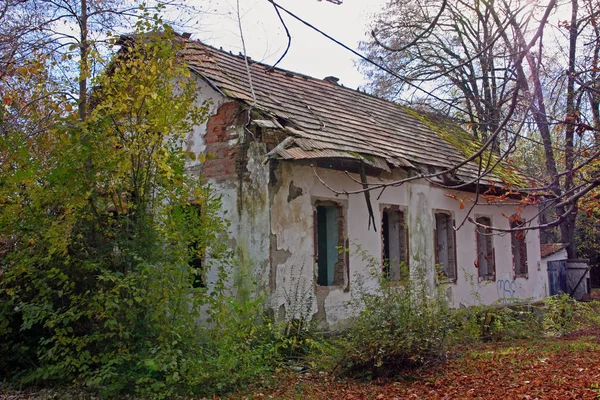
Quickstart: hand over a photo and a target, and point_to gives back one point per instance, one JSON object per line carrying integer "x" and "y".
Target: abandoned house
{"x": 284, "y": 144}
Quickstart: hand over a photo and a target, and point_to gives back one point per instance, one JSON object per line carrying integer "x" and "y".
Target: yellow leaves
{"x": 461, "y": 200}
{"x": 202, "y": 158}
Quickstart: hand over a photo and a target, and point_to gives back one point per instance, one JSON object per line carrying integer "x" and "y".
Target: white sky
{"x": 310, "y": 53}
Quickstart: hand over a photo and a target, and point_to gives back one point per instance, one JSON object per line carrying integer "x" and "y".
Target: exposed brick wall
{"x": 220, "y": 129}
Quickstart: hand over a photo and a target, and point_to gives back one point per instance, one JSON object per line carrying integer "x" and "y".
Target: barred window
{"x": 394, "y": 236}
{"x": 445, "y": 245}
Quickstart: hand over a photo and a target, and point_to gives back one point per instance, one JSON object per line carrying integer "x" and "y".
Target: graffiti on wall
{"x": 507, "y": 290}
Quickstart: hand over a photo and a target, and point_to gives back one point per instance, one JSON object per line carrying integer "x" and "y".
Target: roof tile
{"x": 328, "y": 119}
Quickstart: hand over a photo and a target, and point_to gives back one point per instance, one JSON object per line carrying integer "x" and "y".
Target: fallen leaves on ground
{"x": 554, "y": 368}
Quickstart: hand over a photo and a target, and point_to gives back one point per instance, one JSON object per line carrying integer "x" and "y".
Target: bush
{"x": 495, "y": 323}
{"x": 97, "y": 288}
{"x": 563, "y": 314}
{"x": 402, "y": 324}
{"x": 555, "y": 316}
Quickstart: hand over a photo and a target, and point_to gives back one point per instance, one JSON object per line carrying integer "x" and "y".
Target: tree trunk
{"x": 567, "y": 227}
{"x": 567, "y": 234}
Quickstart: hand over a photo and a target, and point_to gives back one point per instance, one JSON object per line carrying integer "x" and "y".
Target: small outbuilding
{"x": 565, "y": 276}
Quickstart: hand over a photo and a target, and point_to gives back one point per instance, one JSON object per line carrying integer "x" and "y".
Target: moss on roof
{"x": 467, "y": 145}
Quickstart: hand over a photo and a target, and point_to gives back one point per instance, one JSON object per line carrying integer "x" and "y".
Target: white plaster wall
{"x": 292, "y": 226}
{"x": 268, "y": 226}
{"x": 248, "y": 232}
{"x": 469, "y": 289}
{"x": 559, "y": 255}
{"x": 194, "y": 141}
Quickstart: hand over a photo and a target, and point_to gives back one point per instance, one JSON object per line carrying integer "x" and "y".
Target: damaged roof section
{"x": 322, "y": 119}
{"x": 293, "y": 148}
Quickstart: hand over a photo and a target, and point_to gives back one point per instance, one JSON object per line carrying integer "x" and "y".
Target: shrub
{"x": 402, "y": 324}
{"x": 563, "y": 314}
{"x": 494, "y": 323}
{"x": 97, "y": 288}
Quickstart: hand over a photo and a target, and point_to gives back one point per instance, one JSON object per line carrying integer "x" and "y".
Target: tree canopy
{"x": 522, "y": 76}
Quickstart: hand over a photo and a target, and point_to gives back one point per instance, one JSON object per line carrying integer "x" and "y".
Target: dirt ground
{"x": 556, "y": 368}
{"x": 546, "y": 368}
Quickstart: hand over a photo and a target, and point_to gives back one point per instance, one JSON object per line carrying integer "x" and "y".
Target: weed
{"x": 402, "y": 323}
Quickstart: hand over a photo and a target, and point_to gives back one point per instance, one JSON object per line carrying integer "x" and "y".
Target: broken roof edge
{"x": 450, "y": 131}
{"x": 289, "y": 150}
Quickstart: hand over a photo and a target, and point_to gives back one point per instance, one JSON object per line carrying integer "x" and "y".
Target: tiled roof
{"x": 551, "y": 248}
{"x": 328, "y": 120}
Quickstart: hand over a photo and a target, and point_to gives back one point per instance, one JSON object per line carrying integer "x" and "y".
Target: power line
{"x": 363, "y": 57}
{"x": 376, "y": 64}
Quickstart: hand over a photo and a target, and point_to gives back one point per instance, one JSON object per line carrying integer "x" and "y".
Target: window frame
{"x": 441, "y": 273}
{"x": 519, "y": 239}
{"x": 403, "y": 243}
{"x": 342, "y": 265}
{"x": 489, "y": 244}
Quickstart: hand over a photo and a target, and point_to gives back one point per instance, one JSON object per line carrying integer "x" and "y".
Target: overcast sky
{"x": 310, "y": 53}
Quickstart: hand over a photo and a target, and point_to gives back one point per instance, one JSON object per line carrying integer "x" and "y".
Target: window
{"x": 519, "y": 248}
{"x": 486, "y": 263}
{"x": 329, "y": 235}
{"x": 395, "y": 248}
{"x": 191, "y": 215}
{"x": 445, "y": 245}
{"x": 196, "y": 262}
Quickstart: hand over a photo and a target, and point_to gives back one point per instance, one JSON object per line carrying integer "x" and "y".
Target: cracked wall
{"x": 271, "y": 204}
{"x": 234, "y": 168}
{"x": 293, "y": 268}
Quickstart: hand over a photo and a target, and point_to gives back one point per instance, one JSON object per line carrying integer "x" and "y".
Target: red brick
{"x": 220, "y": 129}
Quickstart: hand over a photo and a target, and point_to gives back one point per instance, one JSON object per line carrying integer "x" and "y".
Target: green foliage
{"x": 556, "y": 316}
{"x": 402, "y": 324}
{"x": 237, "y": 343}
{"x": 96, "y": 286}
{"x": 562, "y": 315}
{"x": 495, "y": 323}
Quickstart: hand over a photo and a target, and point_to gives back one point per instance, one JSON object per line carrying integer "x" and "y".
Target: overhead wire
{"x": 277, "y": 7}
{"x": 289, "y": 37}
{"x": 389, "y": 71}
{"x": 363, "y": 57}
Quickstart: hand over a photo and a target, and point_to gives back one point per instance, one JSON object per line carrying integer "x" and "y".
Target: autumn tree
{"x": 451, "y": 49}
{"x": 511, "y": 71}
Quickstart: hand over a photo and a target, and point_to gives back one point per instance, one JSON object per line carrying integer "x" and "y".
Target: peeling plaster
{"x": 293, "y": 192}
{"x": 278, "y": 257}
{"x": 273, "y": 236}
{"x": 194, "y": 142}
{"x": 291, "y": 230}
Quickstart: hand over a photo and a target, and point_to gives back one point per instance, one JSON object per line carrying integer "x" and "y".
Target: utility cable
{"x": 363, "y": 57}
{"x": 289, "y": 37}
